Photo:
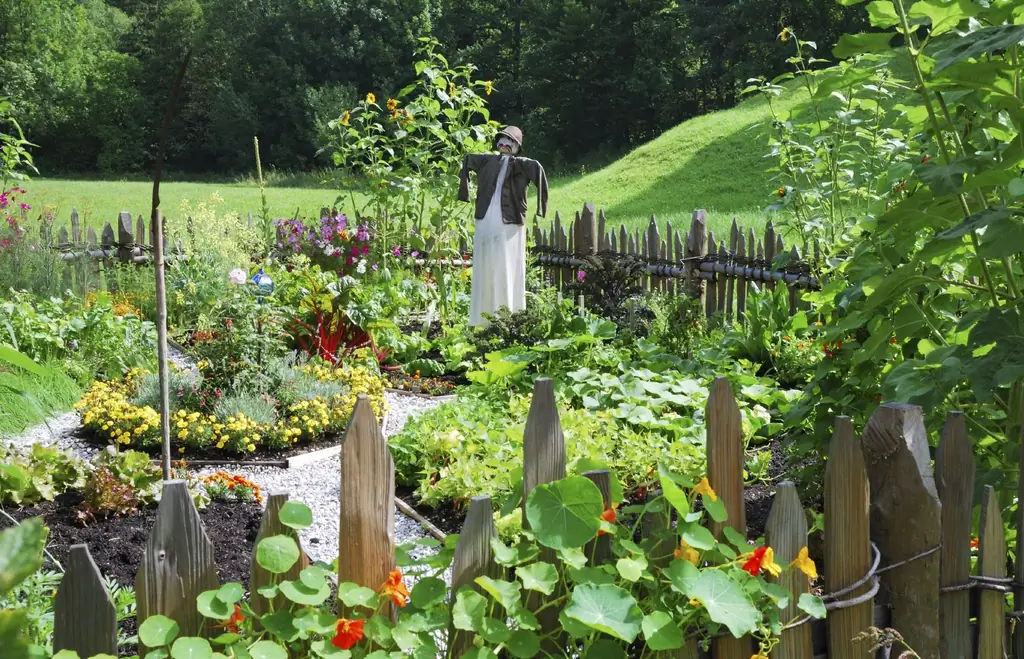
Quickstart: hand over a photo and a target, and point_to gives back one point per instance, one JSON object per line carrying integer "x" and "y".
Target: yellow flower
{"x": 768, "y": 563}
{"x": 687, "y": 553}
{"x": 392, "y": 104}
{"x": 804, "y": 563}
{"x": 182, "y": 434}
{"x": 704, "y": 488}
{"x": 488, "y": 87}
{"x": 346, "y": 116}
{"x": 785, "y": 34}
{"x": 758, "y": 656}
{"x": 695, "y": 603}
{"x": 371, "y": 99}
{"x": 251, "y": 447}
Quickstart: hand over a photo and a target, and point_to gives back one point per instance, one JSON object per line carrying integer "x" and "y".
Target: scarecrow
{"x": 499, "y": 242}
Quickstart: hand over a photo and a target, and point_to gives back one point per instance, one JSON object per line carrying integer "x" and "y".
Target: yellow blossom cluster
{"x": 358, "y": 379}
{"x": 105, "y": 410}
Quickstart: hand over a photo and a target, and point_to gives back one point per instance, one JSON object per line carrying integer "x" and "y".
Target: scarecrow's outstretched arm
{"x": 471, "y": 162}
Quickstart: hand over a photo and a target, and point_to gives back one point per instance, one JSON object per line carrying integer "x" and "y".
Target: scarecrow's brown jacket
{"x": 518, "y": 175}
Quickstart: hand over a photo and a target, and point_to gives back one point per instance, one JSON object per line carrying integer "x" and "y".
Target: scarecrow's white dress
{"x": 499, "y": 261}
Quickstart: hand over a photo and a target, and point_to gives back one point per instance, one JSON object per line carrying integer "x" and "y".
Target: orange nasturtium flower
{"x": 607, "y": 516}
{"x": 232, "y": 623}
{"x": 348, "y": 633}
{"x": 974, "y": 543}
{"x": 762, "y": 558}
{"x": 804, "y": 563}
{"x": 687, "y": 553}
{"x": 392, "y": 104}
{"x": 704, "y": 488}
{"x": 371, "y": 99}
{"x": 395, "y": 587}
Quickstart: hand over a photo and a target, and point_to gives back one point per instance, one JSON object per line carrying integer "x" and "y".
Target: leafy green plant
{"x": 105, "y": 495}
{"x": 21, "y": 555}
{"x": 39, "y": 473}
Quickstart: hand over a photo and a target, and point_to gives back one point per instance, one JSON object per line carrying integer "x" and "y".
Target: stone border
{"x": 401, "y": 392}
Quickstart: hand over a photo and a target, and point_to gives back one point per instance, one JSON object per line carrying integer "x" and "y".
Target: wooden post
{"x": 1018, "y": 580}
{"x": 270, "y": 525}
{"x": 657, "y": 528}
{"x": 163, "y": 375}
{"x": 711, "y": 295}
{"x": 84, "y": 618}
{"x": 786, "y": 534}
{"x": 847, "y": 540}
{"x": 125, "y": 239}
{"x": 474, "y": 558}
{"x": 586, "y": 235}
{"x": 905, "y": 521}
{"x": 725, "y": 475}
{"x": 177, "y": 564}
{"x": 108, "y": 242}
{"x": 366, "y": 536}
{"x": 722, "y": 279}
{"x": 741, "y": 283}
{"x": 769, "y": 250}
{"x": 992, "y": 564}
{"x": 954, "y": 482}
{"x": 735, "y": 238}
{"x": 696, "y": 249}
{"x": 599, "y": 550}
{"x": 653, "y": 243}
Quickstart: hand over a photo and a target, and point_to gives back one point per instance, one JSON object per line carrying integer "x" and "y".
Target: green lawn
{"x": 715, "y": 162}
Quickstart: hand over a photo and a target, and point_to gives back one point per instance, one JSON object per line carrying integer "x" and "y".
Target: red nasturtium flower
{"x": 348, "y": 633}
{"x": 232, "y": 623}
{"x": 395, "y": 587}
{"x": 763, "y": 558}
{"x": 607, "y": 516}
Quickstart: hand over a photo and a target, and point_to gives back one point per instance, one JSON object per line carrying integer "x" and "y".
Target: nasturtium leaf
{"x": 631, "y": 569}
{"x": 477, "y": 653}
{"x": 277, "y": 554}
{"x": 280, "y": 623}
{"x": 211, "y": 607}
{"x": 523, "y": 644}
{"x": 683, "y": 575}
{"x": 725, "y": 601}
{"x": 192, "y": 648}
{"x": 66, "y": 654}
{"x": 715, "y": 508}
{"x": 538, "y": 576}
{"x": 163, "y": 653}
{"x": 300, "y": 593}
{"x": 317, "y": 622}
{"x": 353, "y": 595}
{"x": 698, "y": 537}
{"x": 428, "y": 591}
{"x": 777, "y": 593}
{"x": 296, "y": 515}
{"x": 469, "y": 610}
{"x": 593, "y": 575}
{"x": 230, "y": 593}
{"x": 565, "y": 513}
{"x": 606, "y": 608}
{"x": 662, "y": 632}
{"x": 157, "y": 630}
{"x": 378, "y": 629}
{"x": 575, "y": 628}
{"x": 858, "y": 44}
{"x": 326, "y": 650}
{"x": 525, "y": 619}
{"x": 573, "y": 557}
{"x": 270, "y": 592}
{"x": 505, "y": 592}
{"x": 734, "y": 537}
{"x": 604, "y": 648}
{"x": 812, "y": 605}
{"x": 494, "y": 630}
{"x": 672, "y": 492}
{"x": 313, "y": 577}
{"x": 406, "y": 638}
{"x": 503, "y": 554}
{"x": 267, "y": 650}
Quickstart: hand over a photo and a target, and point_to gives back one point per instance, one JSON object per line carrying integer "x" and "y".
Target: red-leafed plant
{"x": 332, "y": 336}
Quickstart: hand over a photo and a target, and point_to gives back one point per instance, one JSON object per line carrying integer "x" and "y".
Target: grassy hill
{"x": 715, "y": 162}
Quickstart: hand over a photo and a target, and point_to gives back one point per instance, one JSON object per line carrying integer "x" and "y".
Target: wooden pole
{"x": 157, "y": 232}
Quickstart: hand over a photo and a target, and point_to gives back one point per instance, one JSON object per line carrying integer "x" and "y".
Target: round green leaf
{"x": 428, "y": 592}
{"x": 281, "y": 624}
{"x": 161, "y": 653}
{"x": 698, "y": 537}
{"x": 661, "y": 632}
{"x": 683, "y": 575}
{"x": 230, "y": 593}
{"x": 157, "y": 630}
{"x": 631, "y": 569}
{"x": 507, "y": 593}
{"x": 226, "y": 639}
{"x": 575, "y": 628}
{"x": 604, "y": 648}
{"x": 353, "y": 595}
{"x": 212, "y": 607}
{"x": 66, "y": 654}
{"x": 267, "y": 650}
{"x": 326, "y": 650}
{"x": 296, "y": 515}
{"x": 523, "y": 644}
{"x": 811, "y": 605}
{"x": 495, "y": 631}
{"x": 607, "y": 609}
{"x": 191, "y": 648}
{"x": 726, "y": 602}
{"x": 541, "y": 577}
{"x": 566, "y": 513}
{"x": 277, "y": 554}
{"x": 469, "y": 610}
{"x": 477, "y": 653}
{"x": 300, "y": 593}
{"x": 313, "y": 577}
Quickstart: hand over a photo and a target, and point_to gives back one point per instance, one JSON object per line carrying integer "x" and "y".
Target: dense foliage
{"x": 90, "y": 79}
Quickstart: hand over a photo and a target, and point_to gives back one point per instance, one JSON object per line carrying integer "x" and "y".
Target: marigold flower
{"x": 395, "y": 587}
{"x": 704, "y": 489}
{"x": 762, "y": 558}
{"x": 348, "y": 633}
{"x": 804, "y": 563}
{"x": 370, "y": 98}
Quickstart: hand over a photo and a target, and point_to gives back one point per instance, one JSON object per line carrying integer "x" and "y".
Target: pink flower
{"x": 374, "y": 267}
{"x": 415, "y": 253}
{"x": 355, "y": 251}
{"x": 366, "y": 250}
{"x": 350, "y": 260}
{"x": 237, "y": 276}
{"x": 396, "y": 251}
{"x": 581, "y": 275}
{"x": 25, "y": 206}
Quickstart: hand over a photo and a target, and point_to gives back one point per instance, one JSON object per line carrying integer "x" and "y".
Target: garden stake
{"x": 161, "y": 342}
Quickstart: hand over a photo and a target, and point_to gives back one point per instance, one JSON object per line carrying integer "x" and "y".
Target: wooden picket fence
{"x": 897, "y": 539}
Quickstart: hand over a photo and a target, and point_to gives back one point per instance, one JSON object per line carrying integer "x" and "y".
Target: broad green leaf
{"x": 523, "y": 644}
{"x": 605, "y": 648}
{"x": 575, "y": 628}
{"x": 631, "y": 569}
{"x": 19, "y": 360}
{"x": 734, "y": 537}
{"x": 812, "y": 605}
{"x": 324, "y": 649}
{"x": 212, "y": 607}
{"x": 606, "y": 608}
{"x": 1016, "y": 188}
{"x": 156, "y": 631}
{"x": 777, "y": 593}
{"x": 505, "y": 592}
{"x": 267, "y": 650}
{"x": 226, "y": 639}
{"x": 672, "y": 492}
{"x": 428, "y": 591}
{"x": 882, "y": 13}
{"x": 295, "y": 515}
{"x": 477, "y": 653}
{"x": 592, "y": 575}
{"x": 943, "y": 14}
{"x": 698, "y": 537}
{"x": 277, "y": 554}
{"x": 539, "y": 576}
{"x": 715, "y": 508}
{"x": 565, "y": 513}
{"x": 66, "y": 654}
{"x": 21, "y": 552}
{"x": 353, "y": 595}
{"x": 683, "y": 575}
{"x": 977, "y": 43}
{"x": 313, "y": 577}
{"x": 300, "y": 593}
{"x": 726, "y": 602}
{"x": 573, "y": 557}
{"x": 1002, "y": 238}
{"x": 661, "y": 632}
{"x": 192, "y": 648}
{"x": 230, "y": 593}
{"x": 859, "y": 44}
{"x": 280, "y": 623}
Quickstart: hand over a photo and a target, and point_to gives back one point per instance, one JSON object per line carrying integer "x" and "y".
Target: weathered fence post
{"x": 786, "y": 534}
{"x": 847, "y": 540}
{"x": 177, "y": 564}
{"x": 366, "y": 535}
{"x": 725, "y": 475}
{"x": 270, "y": 525}
{"x": 84, "y": 618}
{"x": 600, "y": 548}
{"x": 125, "y": 237}
{"x": 954, "y": 482}
{"x": 906, "y": 521}
{"x": 991, "y": 565}
{"x": 474, "y": 558}
{"x": 696, "y": 249}
{"x": 586, "y": 234}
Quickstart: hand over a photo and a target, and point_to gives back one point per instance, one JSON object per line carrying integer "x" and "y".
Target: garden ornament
{"x": 499, "y": 241}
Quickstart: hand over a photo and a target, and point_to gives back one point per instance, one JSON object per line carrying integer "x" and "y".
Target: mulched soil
{"x": 117, "y": 544}
{"x": 446, "y": 518}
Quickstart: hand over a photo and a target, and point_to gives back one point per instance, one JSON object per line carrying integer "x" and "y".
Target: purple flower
{"x": 374, "y": 267}
{"x": 366, "y": 250}
{"x": 415, "y": 253}
{"x": 581, "y": 275}
{"x": 362, "y": 235}
{"x": 25, "y": 206}
{"x": 396, "y": 251}
{"x": 355, "y": 251}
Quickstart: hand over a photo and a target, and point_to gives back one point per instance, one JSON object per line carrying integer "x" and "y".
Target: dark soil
{"x": 447, "y": 518}
{"x": 117, "y": 544}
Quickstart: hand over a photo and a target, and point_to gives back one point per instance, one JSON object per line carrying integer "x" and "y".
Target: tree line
{"x": 586, "y": 79}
